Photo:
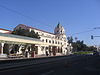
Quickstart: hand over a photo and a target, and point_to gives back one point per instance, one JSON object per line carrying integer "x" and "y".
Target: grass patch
{"x": 84, "y": 52}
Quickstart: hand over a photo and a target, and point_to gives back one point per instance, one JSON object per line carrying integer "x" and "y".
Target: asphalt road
{"x": 72, "y": 65}
{"x": 84, "y": 66}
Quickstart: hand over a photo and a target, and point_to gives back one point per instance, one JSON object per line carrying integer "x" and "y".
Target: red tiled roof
{"x": 9, "y": 31}
{"x": 36, "y": 29}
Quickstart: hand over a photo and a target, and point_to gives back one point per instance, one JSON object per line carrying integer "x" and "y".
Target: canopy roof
{"x": 16, "y": 39}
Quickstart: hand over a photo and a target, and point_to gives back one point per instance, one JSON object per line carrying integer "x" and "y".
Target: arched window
{"x": 53, "y": 41}
{"x": 46, "y": 40}
{"x": 56, "y": 42}
{"x": 43, "y": 40}
{"x": 49, "y": 41}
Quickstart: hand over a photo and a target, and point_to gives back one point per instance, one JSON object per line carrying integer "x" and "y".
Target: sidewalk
{"x": 39, "y": 56}
{"x": 36, "y": 56}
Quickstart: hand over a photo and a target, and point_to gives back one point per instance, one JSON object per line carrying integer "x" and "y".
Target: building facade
{"x": 2, "y": 44}
{"x": 57, "y": 41}
{"x": 5, "y": 31}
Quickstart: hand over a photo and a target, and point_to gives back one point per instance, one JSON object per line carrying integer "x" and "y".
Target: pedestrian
{"x": 50, "y": 52}
{"x": 47, "y": 53}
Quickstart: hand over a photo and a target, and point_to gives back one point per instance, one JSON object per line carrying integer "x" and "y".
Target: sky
{"x": 78, "y": 17}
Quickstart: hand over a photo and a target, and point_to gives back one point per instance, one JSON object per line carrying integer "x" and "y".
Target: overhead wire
{"x": 83, "y": 32}
{"x": 26, "y": 16}
{"x": 34, "y": 20}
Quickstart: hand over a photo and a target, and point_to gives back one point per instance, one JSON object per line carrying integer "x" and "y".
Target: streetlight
{"x": 92, "y": 37}
{"x": 96, "y": 28}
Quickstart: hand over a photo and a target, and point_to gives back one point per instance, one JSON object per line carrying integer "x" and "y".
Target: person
{"x": 50, "y": 52}
{"x": 47, "y": 53}
{"x": 26, "y": 54}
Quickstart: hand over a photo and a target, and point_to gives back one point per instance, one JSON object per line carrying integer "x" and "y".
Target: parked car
{"x": 96, "y": 53}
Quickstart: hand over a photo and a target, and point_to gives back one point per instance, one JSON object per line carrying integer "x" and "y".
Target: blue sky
{"x": 75, "y": 15}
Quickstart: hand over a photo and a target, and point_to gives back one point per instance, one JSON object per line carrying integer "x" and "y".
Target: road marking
{"x": 47, "y": 73}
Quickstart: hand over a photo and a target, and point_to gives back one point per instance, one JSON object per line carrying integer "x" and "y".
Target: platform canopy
{"x": 16, "y": 39}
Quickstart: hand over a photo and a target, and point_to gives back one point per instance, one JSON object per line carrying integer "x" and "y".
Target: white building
{"x": 57, "y": 41}
{"x": 5, "y": 31}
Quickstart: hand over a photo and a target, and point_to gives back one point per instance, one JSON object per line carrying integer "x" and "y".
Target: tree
{"x": 24, "y": 32}
{"x": 70, "y": 39}
{"x": 27, "y": 33}
{"x": 80, "y": 46}
{"x": 92, "y": 48}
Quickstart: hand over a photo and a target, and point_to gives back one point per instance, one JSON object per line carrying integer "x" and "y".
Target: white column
{"x": 19, "y": 50}
{"x": 57, "y": 49}
{"x": 43, "y": 49}
{"x": 2, "y": 45}
{"x": 40, "y": 52}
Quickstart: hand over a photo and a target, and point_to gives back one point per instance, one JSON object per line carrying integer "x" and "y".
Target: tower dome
{"x": 60, "y": 32}
{"x": 59, "y": 29}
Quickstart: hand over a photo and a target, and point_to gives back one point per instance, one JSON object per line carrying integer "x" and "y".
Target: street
{"x": 70, "y": 65}
{"x": 87, "y": 66}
